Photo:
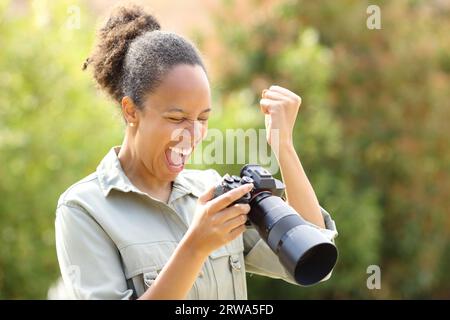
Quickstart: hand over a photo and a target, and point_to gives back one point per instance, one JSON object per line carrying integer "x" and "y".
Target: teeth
{"x": 184, "y": 152}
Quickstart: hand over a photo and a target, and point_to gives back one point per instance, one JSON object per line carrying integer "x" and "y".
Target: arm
{"x": 178, "y": 274}
{"x": 91, "y": 268}
{"x": 88, "y": 259}
{"x": 91, "y": 265}
{"x": 299, "y": 192}
{"x": 214, "y": 224}
{"x": 280, "y": 107}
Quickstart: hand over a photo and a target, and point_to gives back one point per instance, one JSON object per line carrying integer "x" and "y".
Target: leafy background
{"x": 372, "y": 131}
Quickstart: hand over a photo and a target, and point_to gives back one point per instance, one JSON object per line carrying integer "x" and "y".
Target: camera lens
{"x": 305, "y": 252}
{"x": 302, "y": 249}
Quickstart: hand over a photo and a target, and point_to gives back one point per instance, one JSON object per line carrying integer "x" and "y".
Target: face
{"x": 173, "y": 121}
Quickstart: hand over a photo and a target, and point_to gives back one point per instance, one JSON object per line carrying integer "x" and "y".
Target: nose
{"x": 195, "y": 130}
{"x": 190, "y": 135}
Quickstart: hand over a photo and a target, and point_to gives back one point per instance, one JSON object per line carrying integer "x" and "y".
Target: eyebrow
{"x": 176, "y": 109}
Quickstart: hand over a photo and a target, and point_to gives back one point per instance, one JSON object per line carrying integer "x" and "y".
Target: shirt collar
{"x": 111, "y": 176}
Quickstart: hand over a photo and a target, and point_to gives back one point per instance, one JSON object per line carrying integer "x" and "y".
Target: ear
{"x": 129, "y": 111}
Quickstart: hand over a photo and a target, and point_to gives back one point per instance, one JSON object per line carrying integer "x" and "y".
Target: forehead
{"x": 185, "y": 87}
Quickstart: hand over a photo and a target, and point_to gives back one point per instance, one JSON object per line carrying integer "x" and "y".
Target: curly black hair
{"x": 133, "y": 54}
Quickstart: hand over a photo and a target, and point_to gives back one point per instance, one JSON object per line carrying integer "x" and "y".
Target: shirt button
{"x": 235, "y": 263}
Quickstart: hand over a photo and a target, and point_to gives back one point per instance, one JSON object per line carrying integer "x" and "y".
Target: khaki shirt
{"x": 112, "y": 239}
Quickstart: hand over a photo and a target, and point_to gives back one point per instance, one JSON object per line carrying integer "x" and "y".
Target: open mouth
{"x": 176, "y": 157}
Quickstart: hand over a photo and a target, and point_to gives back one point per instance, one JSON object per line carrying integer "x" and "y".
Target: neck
{"x": 139, "y": 175}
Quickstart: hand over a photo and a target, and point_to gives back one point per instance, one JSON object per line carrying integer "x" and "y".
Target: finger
{"x": 268, "y": 106}
{"x": 286, "y": 92}
{"x": 236, "y": 232}
{"x": 228, "y": 198}
{"x": 275, "y": 95}
{"x": 232, "y": 212}
{"x": 207, "y": 195}
{"x": 281, "y": 90}
{"x": 265, "y": 105}
{"x": 235, "y": 222}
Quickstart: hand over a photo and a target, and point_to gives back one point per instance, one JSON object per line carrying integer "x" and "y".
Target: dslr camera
{"x": 302, "y": 249}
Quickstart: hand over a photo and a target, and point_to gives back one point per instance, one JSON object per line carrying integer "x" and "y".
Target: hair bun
{"x": 124, "y": 24}
{"x": 132, "y": 20}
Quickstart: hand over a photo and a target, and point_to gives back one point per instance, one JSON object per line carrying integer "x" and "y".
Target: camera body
{"x": 301, "y": 248}
{"x": 251, "y": 173}
{"x": 262, "y": 180}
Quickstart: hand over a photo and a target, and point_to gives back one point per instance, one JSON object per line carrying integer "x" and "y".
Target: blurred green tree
{"x": 54, "y": 129}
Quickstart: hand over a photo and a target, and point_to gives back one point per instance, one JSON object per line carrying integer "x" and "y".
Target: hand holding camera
{"x": 219, "y": 219}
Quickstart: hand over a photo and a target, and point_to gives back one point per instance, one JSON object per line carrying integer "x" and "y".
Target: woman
{"x": 141, "y": 226}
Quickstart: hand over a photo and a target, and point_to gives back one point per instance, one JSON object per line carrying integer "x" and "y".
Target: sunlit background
{"x": 372, "y": 132}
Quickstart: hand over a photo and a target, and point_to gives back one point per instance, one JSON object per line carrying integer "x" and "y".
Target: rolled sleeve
{"x": 260, "y": 259}
{"x": 89, "y": 260}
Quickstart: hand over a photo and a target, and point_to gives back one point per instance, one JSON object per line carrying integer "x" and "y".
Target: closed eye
{"x": 180, "y": 120}
{"x": 176, "y": 120}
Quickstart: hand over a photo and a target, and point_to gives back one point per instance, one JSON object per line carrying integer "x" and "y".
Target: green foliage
{"x": 53, "y": 130}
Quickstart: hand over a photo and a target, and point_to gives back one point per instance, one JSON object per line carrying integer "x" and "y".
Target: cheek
{"x": 159, "y": 134}
{"x": 153, "y": 140}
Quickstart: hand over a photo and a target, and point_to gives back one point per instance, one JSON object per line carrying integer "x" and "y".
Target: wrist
{"x": 286, "y": 144}
{"x": 190, "y": 245}
{"x": 283, "y": 147}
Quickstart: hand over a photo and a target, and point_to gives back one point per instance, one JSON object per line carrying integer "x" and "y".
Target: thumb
{"x": 207, "y": 195}
{"x": 265, "y": 105}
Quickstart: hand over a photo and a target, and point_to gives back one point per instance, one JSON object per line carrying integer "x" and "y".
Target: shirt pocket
{"x": 229, "y": 270}
{"x": 144, "y": 262}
